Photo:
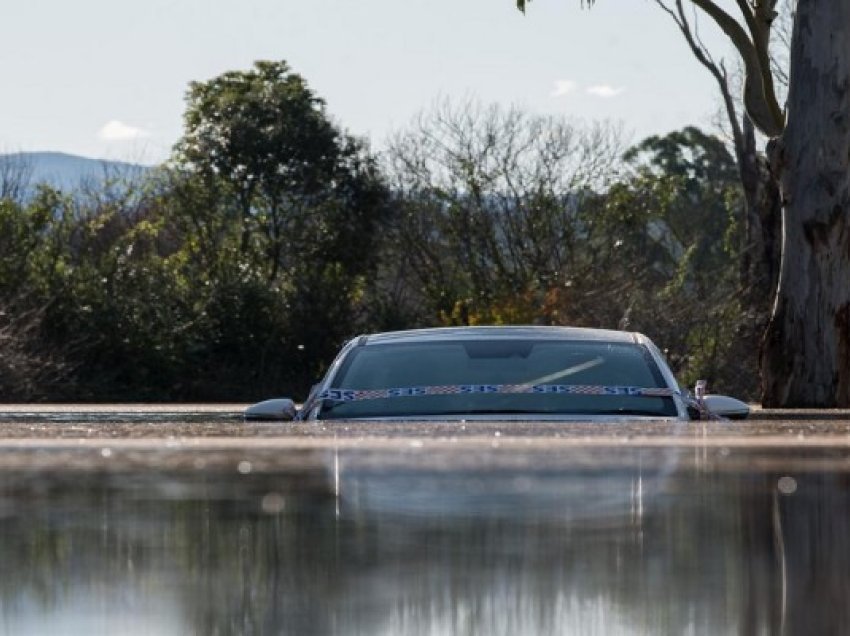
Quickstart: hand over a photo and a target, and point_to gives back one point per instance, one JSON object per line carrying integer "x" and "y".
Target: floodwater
{"x": 134, "y": 520}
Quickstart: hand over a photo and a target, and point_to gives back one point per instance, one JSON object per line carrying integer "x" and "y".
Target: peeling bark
{"x": 805, "y": 360}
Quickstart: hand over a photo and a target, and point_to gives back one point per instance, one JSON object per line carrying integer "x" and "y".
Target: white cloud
{"x": 603, "y": 90}
{"x": 563, "y": 87}
{"x": 119, "y": 131}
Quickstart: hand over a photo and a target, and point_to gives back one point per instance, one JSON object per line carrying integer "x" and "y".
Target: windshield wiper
{"x": 584, "y": 366}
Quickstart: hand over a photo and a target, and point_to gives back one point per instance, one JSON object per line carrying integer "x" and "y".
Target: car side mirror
{"x": 276, "y": 410}
{"x": 703, "y": 406}
{"x": 727, "y": 407}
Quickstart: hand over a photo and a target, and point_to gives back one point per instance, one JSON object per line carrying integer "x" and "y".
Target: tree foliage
{"x": 306, "y": 201}
{"x": 235, "y": 271}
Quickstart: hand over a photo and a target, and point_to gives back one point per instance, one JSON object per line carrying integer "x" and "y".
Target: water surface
{"x": 170, "y": 523}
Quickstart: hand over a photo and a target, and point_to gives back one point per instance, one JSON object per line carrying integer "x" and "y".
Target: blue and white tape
{"x": 357, "y": 395}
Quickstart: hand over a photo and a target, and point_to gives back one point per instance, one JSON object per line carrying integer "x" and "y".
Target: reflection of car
{"x": 503, "y": 373}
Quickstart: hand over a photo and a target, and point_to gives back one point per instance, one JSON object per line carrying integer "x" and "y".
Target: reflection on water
{"x": 372, "y": 544}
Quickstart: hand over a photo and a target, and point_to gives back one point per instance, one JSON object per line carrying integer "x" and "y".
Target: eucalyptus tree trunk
{"x": 762, "y": 225}
{"x": 806, "y": 351}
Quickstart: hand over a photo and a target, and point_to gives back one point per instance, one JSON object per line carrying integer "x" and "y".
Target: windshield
{"x": 456, "y": 378}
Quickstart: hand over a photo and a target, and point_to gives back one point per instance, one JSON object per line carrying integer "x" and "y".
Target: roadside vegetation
{"x": 236, "y": 269}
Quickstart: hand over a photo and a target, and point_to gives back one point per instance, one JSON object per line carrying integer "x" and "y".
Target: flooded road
{"x": 135, "y": 520}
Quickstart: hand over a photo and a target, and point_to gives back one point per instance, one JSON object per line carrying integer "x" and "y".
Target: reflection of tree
{"x": 761, "y": 582}
{"x": 204, "y": 540}
{"x": 470, "y": 552}
{"x": 815, "y": 526}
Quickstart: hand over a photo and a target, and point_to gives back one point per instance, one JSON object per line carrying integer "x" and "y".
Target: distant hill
{"x": 63, "y": 171}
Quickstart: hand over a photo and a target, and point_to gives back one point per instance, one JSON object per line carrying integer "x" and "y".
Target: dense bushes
{"x": 235, "y": 271}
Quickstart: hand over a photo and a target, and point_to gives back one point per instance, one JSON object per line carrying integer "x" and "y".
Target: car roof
{"x": 529, "y": 332}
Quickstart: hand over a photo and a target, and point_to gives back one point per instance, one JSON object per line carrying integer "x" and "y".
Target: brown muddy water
{"x": 186, "y": 520}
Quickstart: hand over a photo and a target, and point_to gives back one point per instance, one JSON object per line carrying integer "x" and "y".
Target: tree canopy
{"x": 235, "y": 271}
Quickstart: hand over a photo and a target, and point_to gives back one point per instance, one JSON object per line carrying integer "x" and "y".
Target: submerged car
{"x": 500, "y": 373}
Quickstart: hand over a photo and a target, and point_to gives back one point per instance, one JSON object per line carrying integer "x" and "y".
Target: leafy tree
{"x": 260, "y": 156}
{"x": 690, "y": 184}
{"x": 29, "y": 367}
{"x": 265, "y": 136}
{"x": 703, "y": 176}
{"x": 232, "y": 273}
{"x": 762, "y": 211}
{"x": 806, "y": 350}
{"x": 113, "y": 298}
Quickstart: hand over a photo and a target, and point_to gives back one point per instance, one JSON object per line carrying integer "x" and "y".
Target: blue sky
{"x": 107, "y": 78}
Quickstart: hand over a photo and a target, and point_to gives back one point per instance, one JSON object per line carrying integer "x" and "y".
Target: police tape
{"x": 357, "y": 395}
